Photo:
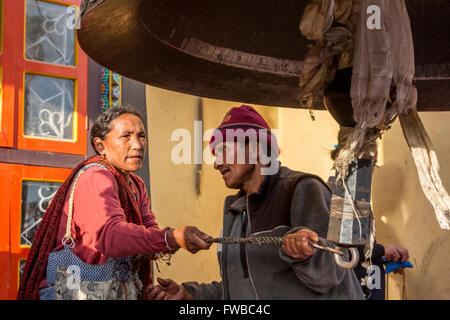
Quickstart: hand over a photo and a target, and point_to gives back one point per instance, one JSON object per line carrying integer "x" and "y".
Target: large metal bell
{"x": 240, "y": 50}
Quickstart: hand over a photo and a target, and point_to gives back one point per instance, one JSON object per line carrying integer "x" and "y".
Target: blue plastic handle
{"x": 394, "y": 265}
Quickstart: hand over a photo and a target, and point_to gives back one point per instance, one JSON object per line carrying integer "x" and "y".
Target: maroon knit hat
{"x": 244, "y": 118}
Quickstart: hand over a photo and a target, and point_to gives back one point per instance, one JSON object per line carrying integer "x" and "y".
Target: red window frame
{"x": 19, "y": 252}
{"x": 15, "y": 66}
{"x": 7, "y": 102}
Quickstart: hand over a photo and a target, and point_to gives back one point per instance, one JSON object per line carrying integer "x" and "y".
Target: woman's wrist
{"x": 169, "y": 237}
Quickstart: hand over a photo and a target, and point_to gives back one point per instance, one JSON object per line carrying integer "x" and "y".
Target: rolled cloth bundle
{"x": 383, "y": 69}
{"x": 333, "y": 45}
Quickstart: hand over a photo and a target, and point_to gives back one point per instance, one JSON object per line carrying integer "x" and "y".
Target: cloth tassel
{"x": 427, "y": 166}
{"x": 383, "y": 70}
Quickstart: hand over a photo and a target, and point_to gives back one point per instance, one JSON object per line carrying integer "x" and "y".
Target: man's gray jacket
{"x": 285, "y": 202}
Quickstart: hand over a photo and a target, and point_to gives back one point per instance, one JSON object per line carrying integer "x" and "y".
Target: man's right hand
{"x": 173, "y": 290}
{"x": 188, "y": 238}
{"x": 296, "y": 245}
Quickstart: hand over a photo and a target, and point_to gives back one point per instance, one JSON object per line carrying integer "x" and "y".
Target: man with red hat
{"x": 272, "y": 200}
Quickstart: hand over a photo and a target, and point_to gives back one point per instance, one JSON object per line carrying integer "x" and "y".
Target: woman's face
{"x": 124, "y": 146}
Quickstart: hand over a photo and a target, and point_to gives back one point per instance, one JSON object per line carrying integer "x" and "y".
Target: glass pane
{"x": 36, "y": 196}
{"x": 21, "y": 267}
{"x": 48, "y": 37}
{"x": 48, "y": 107}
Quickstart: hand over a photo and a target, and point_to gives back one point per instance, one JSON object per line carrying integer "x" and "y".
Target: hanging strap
{"x": 67, "y": 239}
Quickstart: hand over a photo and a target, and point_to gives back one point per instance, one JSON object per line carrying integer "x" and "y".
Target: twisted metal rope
{"x": 262, "y": 240}
{"x": 267, "y": 240}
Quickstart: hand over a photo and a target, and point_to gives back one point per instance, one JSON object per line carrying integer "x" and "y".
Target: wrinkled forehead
{"x": 127, "y": 122}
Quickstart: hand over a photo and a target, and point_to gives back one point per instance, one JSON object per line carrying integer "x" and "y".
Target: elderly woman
{"x": 100, "y": 215}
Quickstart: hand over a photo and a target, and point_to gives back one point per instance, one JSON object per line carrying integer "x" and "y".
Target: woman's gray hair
{"x": 102, "y": 126}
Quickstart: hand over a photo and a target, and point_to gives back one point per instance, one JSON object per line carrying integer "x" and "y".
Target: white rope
{"x": 349, "y": 197}
{"x": 368, "y": 249}
{"x": 67, "y": 239}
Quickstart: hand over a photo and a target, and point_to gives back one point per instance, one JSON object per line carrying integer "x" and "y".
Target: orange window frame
{"x": 15, "y": 68}
{"x": 5, "y": 175}
{"x": 19, "y": 252}
{"x": 7, "y": 84}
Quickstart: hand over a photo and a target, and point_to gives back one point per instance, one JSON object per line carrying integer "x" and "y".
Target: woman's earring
{"x": 103, "y": 156}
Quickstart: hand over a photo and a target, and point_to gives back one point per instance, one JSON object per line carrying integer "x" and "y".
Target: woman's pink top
{"x": 99, "y": 227}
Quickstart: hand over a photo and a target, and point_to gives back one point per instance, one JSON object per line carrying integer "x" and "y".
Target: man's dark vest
{"x": 271, "y": 205}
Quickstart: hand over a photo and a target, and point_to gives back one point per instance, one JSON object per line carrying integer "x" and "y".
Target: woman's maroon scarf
{"x": 43, "y": 244}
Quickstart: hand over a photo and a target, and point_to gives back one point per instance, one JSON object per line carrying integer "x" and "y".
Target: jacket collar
{"x": 239, "y": 204}
{"x": 268, "y": 183}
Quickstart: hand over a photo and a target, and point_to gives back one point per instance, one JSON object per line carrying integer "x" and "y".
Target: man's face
{"x": 232, "y": 160}
{"x": 124, "y": 146}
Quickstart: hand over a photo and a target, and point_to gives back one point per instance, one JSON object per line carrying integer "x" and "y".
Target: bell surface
{"x": 248, "y": 51}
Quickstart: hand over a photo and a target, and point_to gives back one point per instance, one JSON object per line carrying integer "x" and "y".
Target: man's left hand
{"x": 396, "y": 253}
{"x": 296, "y": 245}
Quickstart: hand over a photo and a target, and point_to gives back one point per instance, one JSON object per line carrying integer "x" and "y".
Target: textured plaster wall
{"x": 403, "y": 215}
